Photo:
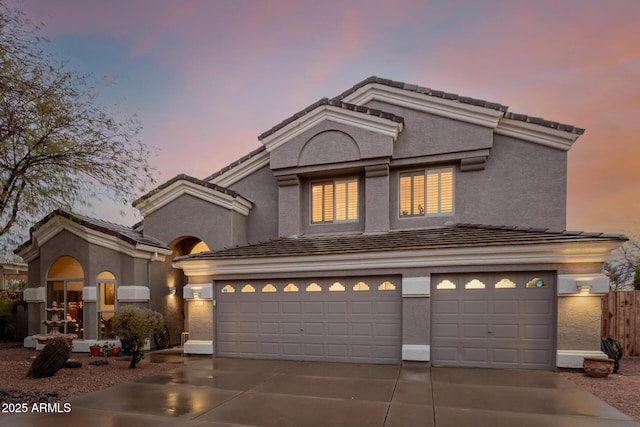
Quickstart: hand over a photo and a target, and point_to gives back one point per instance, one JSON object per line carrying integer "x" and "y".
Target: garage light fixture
{"x": 584, "y": 289}
{"x": 196, "y": 295}
{"x": 172, "y": 290}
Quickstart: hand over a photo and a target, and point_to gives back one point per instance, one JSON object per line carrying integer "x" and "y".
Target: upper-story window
{"x": 334, "y": 201}
{"x": 426, "y": 192}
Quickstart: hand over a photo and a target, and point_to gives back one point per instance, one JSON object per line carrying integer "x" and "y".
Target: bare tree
{"x": 621, "y": 266}
{"x": 59, "y": 147}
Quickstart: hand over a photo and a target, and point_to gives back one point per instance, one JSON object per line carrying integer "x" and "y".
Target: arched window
{"x": 337, "y": 287}
{"x": 386, "y": 286}
{"x": 446, "y": 284}
{"x": 290, "y": 288}
{"x": 360, "y": 287}
{"x": 313, "y": 287}
{"x": 269, "y": 288}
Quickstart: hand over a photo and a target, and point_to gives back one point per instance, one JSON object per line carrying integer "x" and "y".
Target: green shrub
{"x": 636, "y": 279}
{"x": 135, "y": 325}
{"x": 7, "y": 306}
{"x": 51, "y": 358}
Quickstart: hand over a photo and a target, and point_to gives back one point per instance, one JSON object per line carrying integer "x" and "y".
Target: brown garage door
{"x": 497, "y": 320}
{"x": 341, "y": 320}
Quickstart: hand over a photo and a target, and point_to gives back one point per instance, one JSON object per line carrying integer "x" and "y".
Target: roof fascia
{"x": 547, "y": 253}
{"x": 242, "y": 170}
{"x": 181, "y": 187}
{"x": 429, "y": 104}
{"x": 537, "y": 134}
{"x": 334, "y": 114}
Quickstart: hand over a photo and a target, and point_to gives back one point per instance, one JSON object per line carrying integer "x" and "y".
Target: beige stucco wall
{"x": 200, "y": 320}
{"x": 579, "y": 323}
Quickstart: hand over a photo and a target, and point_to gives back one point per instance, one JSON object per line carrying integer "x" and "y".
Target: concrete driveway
{"x": 234, "y": 392}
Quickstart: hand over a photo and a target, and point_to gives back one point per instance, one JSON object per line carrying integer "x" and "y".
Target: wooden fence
{"x": 621, "y": 320}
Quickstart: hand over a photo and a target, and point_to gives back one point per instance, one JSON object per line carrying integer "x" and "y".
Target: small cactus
{"x": 51, "y": 358}
{"x": 612, "y": 348}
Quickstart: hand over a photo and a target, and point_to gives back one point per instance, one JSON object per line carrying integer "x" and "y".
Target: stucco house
{"x": 390, "y": 223}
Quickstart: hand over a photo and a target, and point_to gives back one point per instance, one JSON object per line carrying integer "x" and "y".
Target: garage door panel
{"x": 475, "y": 330}
{"x": 537, "y": 332}
{"x": 446, "y": 330}
{"x": 446, "y": 307}
{"x": 475, "y": 354}
{"x": 475, "y": 307}
{"x": 505, "y": 307}
{"x": 291, "y": 307}
{"x": 335, "y": 323}
{"x": 509, "y": 331}
{"x": 362, "y": 307}
{"x": 291, "y": 328}
{"x": 505, "y": 326}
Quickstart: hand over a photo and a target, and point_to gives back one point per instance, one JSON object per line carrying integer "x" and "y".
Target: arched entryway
{"x": 65, "y": 281}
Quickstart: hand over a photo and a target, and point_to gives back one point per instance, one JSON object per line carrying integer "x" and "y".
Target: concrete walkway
{"x": 234, "y": 392}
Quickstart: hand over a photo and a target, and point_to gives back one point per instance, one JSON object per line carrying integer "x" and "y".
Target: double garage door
{"x": 504, "y": 320}
{"x": 354, "y": 320}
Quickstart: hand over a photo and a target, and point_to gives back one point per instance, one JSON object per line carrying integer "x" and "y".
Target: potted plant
{"x": 95, "y": 350}
{"x": 597, "y": 367}
{"x": 115, "y": 350}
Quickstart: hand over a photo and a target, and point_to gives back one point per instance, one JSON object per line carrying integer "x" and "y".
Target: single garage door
{"x": 497, "y": 320}
{"x": 340, "y": 320}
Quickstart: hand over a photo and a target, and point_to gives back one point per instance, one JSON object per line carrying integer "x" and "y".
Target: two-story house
{"x": 390, "y": 223}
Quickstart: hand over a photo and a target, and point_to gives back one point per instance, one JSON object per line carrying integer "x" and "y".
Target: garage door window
{"x": 360, "y": 286}
{"x": 290, "y": 288}
{"x": 505, "y": 284}
{"x": 314, "y": 287}
{"x": 248, "y": 289}
{"x": 337, "y": 287}
{"x": 387, "y": 286}
{"x": 536, "y": 283}
{"x": 269, "y": 288}
{"x": 474, "y": 284}
{"x": 446, "y": 284}
{"x": 228, "y": 289}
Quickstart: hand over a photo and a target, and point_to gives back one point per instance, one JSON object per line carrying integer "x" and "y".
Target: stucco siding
{"x": 579, "y": 320}
{"x": 427, "y": 134}
{"x": 188, "y": 216}
{"x": 261, "y": 188}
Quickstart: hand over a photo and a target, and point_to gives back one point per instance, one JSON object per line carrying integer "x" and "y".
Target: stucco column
{"x": 376, "y": 199}
{"x": 288, "y": 205}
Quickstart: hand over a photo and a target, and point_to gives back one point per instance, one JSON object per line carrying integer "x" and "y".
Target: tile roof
{"x": 464, "y": 100}
{"x": 183, "y": 177}
{"x": 122, "y": 232}
{"x": 455, "y": 236}
{"x": 334, "y": 103}
{"x": 236, "y": 163}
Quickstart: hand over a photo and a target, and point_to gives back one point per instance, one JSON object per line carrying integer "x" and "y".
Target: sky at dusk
{"x": 207, "y": 77}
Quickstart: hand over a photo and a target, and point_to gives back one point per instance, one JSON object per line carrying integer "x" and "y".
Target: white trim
{"x": 35, "y": 295}
{"x": 575, "y": 358}
{"x": 426, "y": 103}
{"x": 561, "y": 253}
{"x": 417, "y": 353}
{"x": 536, "y": 133}
{"x": 89, "y": 294}
{"x": 334, "y": 114}
{"x": 198, "y": 347}
{"x": 133, "y": 293}
{"x": 242, "y": 170}
{"x": 181, "y": 187}
{"x": 568, "y": 283}
{"x": 205, "y": 291}
{"x": 416, "y": 286}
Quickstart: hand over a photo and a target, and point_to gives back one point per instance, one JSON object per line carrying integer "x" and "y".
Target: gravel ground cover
{"x": 16, "y": 387}
{"x": 618, "y": 390}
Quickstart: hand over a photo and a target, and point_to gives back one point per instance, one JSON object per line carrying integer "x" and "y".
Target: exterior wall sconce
{"x": 196, "y": 295}
{"x": 172, "y": 290}
{"x": 584, "y": 289}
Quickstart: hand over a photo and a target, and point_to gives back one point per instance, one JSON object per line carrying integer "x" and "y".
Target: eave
{"x": 527, "y": 254}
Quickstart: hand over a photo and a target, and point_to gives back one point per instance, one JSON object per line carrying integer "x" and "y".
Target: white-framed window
{"x": 334, "y": 201}
{"x": 426, "y": 192}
